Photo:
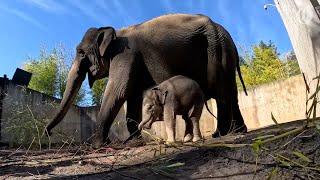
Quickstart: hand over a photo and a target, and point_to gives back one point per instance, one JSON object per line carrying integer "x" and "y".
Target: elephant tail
{"x": 240, "y": 77}
{"x": 209, "y": 109}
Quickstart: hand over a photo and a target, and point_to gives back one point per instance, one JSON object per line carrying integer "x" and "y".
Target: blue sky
{"x": 26, "y": 25}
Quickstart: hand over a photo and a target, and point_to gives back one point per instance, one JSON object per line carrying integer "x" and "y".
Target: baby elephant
{"x": 178, "y": 95}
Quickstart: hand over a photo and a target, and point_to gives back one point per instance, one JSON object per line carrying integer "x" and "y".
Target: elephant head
{"x": 153, "y": 103}
{"x": 92, "y": 58}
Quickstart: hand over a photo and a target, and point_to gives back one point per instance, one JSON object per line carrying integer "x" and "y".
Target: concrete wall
{"x": 27, "y": 109}
{"x": 24, "y": 110}
{"x": 285, "y": 99}
{"x": 89, "y": 115}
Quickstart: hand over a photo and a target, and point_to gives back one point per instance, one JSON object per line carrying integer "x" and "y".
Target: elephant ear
{"x": 164, "y": 97}
{"x": 106, "y": 35}
{"x": 161, "y": 96}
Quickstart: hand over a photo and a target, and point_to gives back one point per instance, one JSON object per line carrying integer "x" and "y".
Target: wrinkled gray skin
{"x": 178, "y": 95}
{"x": 141, "y": 56}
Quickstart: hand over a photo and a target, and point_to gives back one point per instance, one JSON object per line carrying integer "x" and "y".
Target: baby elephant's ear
{"x": 155, "y": 88}
{"x": 164, "y": 96}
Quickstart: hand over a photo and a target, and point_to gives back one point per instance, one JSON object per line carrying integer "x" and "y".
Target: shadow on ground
{"x": 234, "y": 163}
{"x": 296, "y": 156}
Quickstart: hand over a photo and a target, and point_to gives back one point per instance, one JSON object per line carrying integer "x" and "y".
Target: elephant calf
{"x": 178, "y": 95}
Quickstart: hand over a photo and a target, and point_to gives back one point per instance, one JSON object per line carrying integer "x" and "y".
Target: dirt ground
{"x": 287, "y": 151}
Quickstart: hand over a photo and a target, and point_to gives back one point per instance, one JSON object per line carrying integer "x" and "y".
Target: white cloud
{"x": 23, "y": 16}
{"x": 168, "y": 6}
{"x": 49, "y": 6}
{"x": 88, "y": 10}
{"x": 113, "y": 9}
{"x": 190, "y": 5}
{"x": 103, "y": 5}
{"x": 202, "y": 5}
{"x": 122, "y": 12}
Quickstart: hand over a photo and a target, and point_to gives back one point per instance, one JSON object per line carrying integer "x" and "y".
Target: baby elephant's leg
{"x": 196, "y": 129}
{"x": 194, "y": 115}
{"x": 188, "y": 135}
{"x": 170, "y": 123}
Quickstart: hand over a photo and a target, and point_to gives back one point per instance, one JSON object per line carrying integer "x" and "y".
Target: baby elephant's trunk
{"x": 145, "y": 124}
{"x": 140, "y": 126}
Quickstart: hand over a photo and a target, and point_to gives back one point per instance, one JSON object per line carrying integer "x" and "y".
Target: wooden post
{"x": 302, "y": 21}
{"x": 3, "y": 91}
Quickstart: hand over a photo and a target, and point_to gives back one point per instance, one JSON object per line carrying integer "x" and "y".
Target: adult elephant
{"x": 143, "y": 55}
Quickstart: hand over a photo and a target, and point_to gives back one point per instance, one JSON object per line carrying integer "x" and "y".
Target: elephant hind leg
{"x": 224, "y": 118}
{"x": 196, "y": 129}
{"x": 239, "y": 125}
{"x": 188, "y": 135}
{"x": 229, "y": 119}
{"x": 193, "y": 117}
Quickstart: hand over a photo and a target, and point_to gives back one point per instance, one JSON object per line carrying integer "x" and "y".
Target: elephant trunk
{"x": 145, "y": 123}
{"x": 141, "y": 126}
{"x": 75, "y": 78}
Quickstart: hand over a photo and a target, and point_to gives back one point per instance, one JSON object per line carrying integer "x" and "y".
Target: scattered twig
{"x": 232, "y": 175}
{"x": 292, "y": 132}
{"x": 30, "y": 145}
{"x": 162, "y": 173}
{"x": 124, "y": 175}
{"x": 35, "y": 123}
{"x": 60, "y": 148}
{"x": 218, "y": 145}
{"x": 305, "y": 82}
{"x": 293, "y": 138}
{"x": 14, "y": 151}
{"x": 297, "y": 164}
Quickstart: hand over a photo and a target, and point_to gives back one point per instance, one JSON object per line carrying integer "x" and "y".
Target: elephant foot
{"x": 99, "y": 143}
{"x": 170, "y": 143}
{"x": 135, "y": 142}
{"x": 216, "y": 134}
{"x": 196, "y": 138}
{"x": 187, "y": 138}
{"x": 241, "y": 129}
{"x": 96, "y": 145}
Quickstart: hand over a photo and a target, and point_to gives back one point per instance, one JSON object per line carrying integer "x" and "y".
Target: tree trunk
{"x": 302, "y": 21}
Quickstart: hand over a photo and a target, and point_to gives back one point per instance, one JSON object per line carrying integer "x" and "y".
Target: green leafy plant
{"x": 302, "y": 156}
{"x": 23, "y": 126}
{"x": 50, "y": 71}
{"x": 263, "y": 65}
{"x": 97, "y": 91}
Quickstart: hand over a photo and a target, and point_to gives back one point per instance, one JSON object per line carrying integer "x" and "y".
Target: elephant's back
{"x": 171, "y": 24}
{"x": 174, "y": 20}
{"x": 187, "y": 91}
{"x": 182, "y": 86}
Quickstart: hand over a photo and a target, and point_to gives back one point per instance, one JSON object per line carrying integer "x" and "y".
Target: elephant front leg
{"x": 134, "y": 113}
{"x": 170, "y": 123}
{"x": 134, "y": 117}
{"x": 110, "y": 107}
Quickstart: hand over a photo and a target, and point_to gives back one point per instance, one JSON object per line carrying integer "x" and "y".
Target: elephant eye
{"x": 81, "y": 52}
{"x": 149, "y": 107}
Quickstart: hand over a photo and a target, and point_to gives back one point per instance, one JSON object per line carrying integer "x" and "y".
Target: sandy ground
{"x": 259, "y": 154}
